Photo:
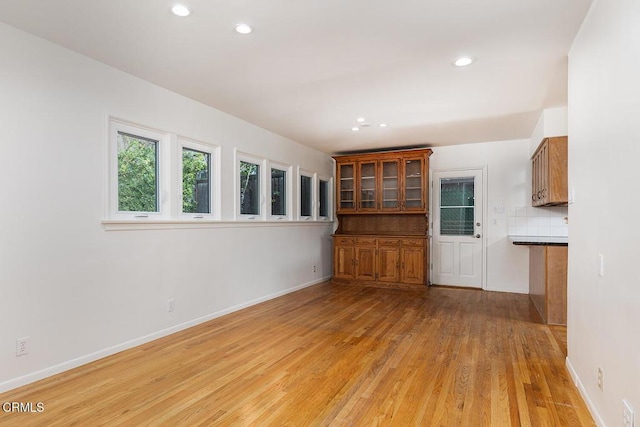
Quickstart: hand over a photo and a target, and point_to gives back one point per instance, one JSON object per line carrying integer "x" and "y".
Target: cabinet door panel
{"x": 414, "y": 183}
{"x": 344, "y": 262}
{"x": 365, "y": 263}
{"x": 367, "y": 193}
{"x": 412, "y": 265}
{"x": 390, "y": 179}
{"x": 346, "y": 183}
{"x": 544, "y": 186}
{"x": 389, "y": 264}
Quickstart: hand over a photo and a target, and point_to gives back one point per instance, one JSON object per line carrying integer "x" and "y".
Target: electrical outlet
{"x": 22, "y": 346}
{"x": 627, "y": 414}
{"x": 600, "y": 380}
{"x": 314, "y": 269}
{"x": 171, "y": 305}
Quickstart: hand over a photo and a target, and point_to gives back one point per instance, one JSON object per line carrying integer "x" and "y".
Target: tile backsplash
{"x": 530, "y": 221}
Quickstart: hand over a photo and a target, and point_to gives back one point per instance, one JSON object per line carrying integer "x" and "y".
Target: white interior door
{"x": 458, "y": 238}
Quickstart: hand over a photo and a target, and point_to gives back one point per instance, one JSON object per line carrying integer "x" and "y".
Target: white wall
{"x": 80, "y": 292}
{"x": 604, "y": 148}
{"x": 507, "y": 163}
{"x": 552, "y": 122}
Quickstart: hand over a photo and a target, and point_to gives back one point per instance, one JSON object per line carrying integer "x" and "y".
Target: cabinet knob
{"x": 478, "y": 236}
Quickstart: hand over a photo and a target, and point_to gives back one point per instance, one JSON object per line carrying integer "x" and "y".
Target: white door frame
{"x": 485, "y": 214}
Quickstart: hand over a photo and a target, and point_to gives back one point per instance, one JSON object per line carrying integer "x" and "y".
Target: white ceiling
{"x": 312, "y": 67}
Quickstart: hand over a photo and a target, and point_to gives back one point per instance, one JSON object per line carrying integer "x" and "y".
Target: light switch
{"x": 601, "y": 265}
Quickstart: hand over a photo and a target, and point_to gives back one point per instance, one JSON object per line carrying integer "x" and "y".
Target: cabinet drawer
{"x": 366, "y": 241}
{"x": 413, "y": 242}
{"x": 388, "y": 242}
{"x": 343, "y": 240}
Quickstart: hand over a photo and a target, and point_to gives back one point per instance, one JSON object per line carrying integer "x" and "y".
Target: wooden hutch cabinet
{"x": 549, "y": 173}
{"x": 382, "y": 206}
{"x": 383, "y": 182}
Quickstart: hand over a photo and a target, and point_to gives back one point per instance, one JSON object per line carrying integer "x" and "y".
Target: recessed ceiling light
{"x": 360, "y": 119}
{"x": 243, "y": 29}
{"x": 180, "y": 10}
{"x": 463, "y": 61}
{"x": 383, "y": 125}
{"x": 355, "y": 129}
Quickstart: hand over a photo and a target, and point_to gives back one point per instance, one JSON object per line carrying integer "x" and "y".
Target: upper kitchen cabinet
{"x": 391, "y": 182}
{"x": 549, "y": 173}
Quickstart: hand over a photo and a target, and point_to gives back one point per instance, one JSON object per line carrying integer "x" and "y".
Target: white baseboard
{"x": 583, "y": 392}
{"x": 92, "y": 357}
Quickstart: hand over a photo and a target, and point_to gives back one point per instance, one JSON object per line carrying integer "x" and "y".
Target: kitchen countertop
{"x": 540, "y": 240}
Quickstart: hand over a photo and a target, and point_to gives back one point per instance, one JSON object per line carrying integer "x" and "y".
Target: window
{"x": 279, "y": 192}
{"x": 249, "y": 173}
{"x": 196, "y": 180}
{"x": 306, "y": 195}
{"x": 457, "y": 206}
{"x": 137, "y": 173}
{"x": 323, "y": 199}
{"x": 160, "y": 176}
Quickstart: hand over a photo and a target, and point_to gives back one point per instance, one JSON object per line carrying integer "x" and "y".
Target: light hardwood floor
{"x": 331, "y": 355}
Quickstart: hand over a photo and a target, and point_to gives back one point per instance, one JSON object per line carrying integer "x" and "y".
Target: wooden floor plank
{"x": 331, "y": 355}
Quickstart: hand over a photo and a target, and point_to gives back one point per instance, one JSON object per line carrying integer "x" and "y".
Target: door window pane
{"x": 137, "y": 173}
{"x": 196, "y": 166}
{"x": 249, "y": 188}
{"x": 278, "y": 192}
{"x": 457, "y": 206}
{"x": 305, "y": 195}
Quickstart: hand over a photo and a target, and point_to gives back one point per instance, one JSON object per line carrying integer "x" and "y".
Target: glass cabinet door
{"x": 390, "y": 185}
{"x": 346, "y": 190}
{"x": 368, "y": 194}
{"x": 414, "y": 182}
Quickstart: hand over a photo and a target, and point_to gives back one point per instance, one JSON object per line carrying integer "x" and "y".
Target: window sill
{"x": 145, "y": 224}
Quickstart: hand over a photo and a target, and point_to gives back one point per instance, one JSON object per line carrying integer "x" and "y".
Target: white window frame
{"x": 301, "y": 173}
{"x": 163, "y": 171}
{"x": 214, "y": 179}
{"x": 243, "y": 157}
{"x": 288, "y": 169}
{"x": 329, "y": 181}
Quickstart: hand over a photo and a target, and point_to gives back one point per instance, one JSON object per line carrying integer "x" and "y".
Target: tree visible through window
{"x": 196, "y": 166}
{"x": 137, "y": 173}
{"x": 249, "y": 188}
